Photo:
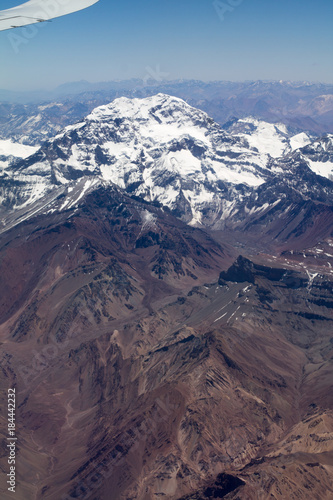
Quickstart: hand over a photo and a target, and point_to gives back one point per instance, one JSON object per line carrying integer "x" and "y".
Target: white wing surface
{"x": 37, "y": 11}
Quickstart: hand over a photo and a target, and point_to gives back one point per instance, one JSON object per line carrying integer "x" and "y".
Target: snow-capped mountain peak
{"x": 319, "y": 156}
{"x": 158, "y": 148}
{"x": 166, "y": 108}
{"x": 157, "y": 118}
{"x": 163, "y": 150}
{"x": 274, "y": 139}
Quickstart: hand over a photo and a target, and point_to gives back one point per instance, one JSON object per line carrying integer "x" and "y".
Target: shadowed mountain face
{"x": 112, "y": 240}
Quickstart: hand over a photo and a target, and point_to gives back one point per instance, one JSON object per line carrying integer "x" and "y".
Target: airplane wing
{"x": 37, "y": 11}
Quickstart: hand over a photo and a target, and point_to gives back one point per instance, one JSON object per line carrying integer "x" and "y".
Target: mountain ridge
{"x": 167, "y": 152}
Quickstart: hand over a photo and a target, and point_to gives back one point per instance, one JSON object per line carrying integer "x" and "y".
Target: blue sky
{"x": 245, "y": 40}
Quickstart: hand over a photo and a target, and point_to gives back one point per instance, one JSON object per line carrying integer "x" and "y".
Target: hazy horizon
{"x": 98, "y": 85}
{"x": 231, "y": 40}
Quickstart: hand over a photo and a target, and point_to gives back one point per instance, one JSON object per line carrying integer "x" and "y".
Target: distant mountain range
{"x": 36, "y": 116}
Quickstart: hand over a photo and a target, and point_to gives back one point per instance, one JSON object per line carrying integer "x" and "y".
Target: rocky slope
{"x": 133, "y": 382}
{"x": 150, "y": 360}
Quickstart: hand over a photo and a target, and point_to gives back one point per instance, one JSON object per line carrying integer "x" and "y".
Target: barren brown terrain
{"x": 152, "y": 362}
